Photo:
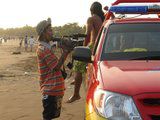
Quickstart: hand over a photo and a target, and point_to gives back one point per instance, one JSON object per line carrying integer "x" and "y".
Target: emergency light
{"x": 135, "y": 1}
{"x": 150, "y": 9}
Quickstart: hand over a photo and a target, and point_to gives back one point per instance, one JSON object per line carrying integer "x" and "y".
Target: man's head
{"x": 96, "y": 8}
{"x": 44, "y": 30}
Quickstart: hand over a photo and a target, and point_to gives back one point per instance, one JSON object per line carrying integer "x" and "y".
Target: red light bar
{"x": 135, "y": 1}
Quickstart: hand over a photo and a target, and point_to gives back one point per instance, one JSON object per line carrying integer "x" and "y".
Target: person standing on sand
{"x": 31, "y": 43}
{"x": 51, "y": 79}
{"x": 26, "y": 43}
{"x": 93, "y": 26}
{"x": 20, "y": 42}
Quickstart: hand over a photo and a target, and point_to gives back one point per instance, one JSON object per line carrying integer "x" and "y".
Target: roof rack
{"x": 155, "y": 9}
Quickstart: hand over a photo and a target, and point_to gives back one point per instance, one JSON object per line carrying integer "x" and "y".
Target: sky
{"x": 19, "y": 13}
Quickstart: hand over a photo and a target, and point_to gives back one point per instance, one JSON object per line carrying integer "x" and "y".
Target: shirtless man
{"x": 92, "y": 28}
{"x": 94, "y": 23}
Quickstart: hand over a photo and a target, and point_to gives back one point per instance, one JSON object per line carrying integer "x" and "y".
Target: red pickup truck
{"x": 123, "y": 75}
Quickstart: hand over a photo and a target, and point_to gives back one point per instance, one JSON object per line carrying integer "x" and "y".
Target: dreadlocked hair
{"x": 96, "y": 8}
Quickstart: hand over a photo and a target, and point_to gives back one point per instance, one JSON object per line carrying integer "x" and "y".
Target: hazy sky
{"x": 18, "y": 13}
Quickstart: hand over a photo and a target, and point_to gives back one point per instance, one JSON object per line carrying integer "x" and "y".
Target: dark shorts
{"x": 51, "y": 106}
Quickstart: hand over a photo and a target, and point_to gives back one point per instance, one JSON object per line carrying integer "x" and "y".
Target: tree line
{"x": 67, "y": 29}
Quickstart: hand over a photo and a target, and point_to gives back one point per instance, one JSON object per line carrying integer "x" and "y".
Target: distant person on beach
{"x": 51, "y": 79}
{"x": 26, "y": 43}
{"x": 20, "y": 42}
{"x": 31, "y": 43}
{"x": 0, "y": 41}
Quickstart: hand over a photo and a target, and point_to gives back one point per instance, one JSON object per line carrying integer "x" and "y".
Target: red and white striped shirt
{"x": 51, "y": 81}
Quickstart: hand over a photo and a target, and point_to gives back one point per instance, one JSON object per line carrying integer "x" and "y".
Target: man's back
{"x": 95, "y": 22}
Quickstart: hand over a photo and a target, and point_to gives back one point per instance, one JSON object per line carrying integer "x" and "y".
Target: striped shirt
{"x": 51, "y": 81}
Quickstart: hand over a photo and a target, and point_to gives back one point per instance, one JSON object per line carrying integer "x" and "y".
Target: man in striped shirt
{"x": 51, "y": 79}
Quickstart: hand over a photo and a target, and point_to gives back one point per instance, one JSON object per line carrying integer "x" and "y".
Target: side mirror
{"x": 82, "y": 53}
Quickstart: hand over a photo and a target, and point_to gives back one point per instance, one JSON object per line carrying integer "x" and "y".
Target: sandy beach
{"x": 20, "y": 97}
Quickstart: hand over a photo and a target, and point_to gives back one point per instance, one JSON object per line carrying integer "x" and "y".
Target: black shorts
{"x": 51, "y": 106}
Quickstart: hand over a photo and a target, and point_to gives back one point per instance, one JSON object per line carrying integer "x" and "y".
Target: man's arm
{"x": 61, "y": 60}
{"x": 52, "y": 62}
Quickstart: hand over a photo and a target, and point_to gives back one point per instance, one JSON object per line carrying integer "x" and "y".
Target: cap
{"x": 42, "y": 25}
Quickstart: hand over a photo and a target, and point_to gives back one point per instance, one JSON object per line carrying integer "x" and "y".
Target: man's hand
{"x": 62, "y": 59}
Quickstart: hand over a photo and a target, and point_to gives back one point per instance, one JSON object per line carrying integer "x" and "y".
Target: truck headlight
{"x": 114, "y": 106}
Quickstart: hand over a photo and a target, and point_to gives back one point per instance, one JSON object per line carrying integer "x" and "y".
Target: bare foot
{"x": 73, "y": 98}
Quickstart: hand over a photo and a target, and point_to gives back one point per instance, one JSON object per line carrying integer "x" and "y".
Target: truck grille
{"x": 152, "y": 102}
{"x": 148, "y": 105}
{"x": 155, "y": 117}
